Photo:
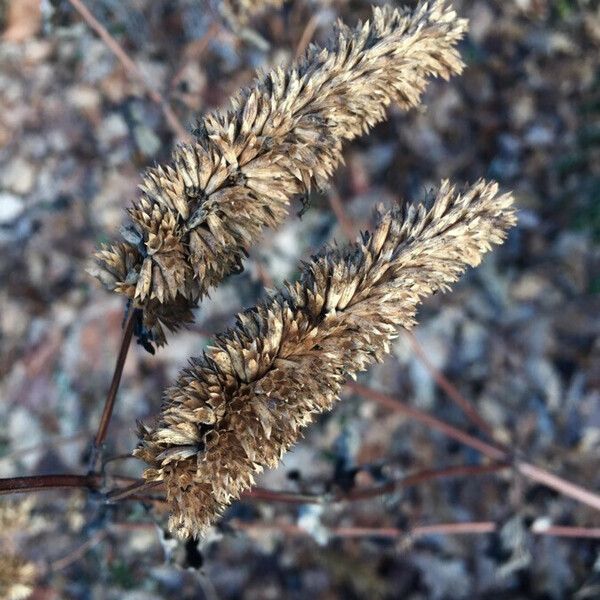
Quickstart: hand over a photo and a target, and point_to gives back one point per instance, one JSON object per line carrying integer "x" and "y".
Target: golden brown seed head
{"x": 196, "y": 217}
{"x": 240, "y": 406}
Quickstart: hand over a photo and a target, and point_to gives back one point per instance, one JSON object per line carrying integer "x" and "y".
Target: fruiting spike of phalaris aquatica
{"x": 241, "y": 405}
{"x": 196, "y": 218}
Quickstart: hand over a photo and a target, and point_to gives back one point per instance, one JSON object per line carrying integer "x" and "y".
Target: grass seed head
{"x": 196, "y": 217}
{"x": 241, "y": 405}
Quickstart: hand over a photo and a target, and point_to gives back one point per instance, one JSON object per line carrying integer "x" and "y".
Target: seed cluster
{"x": 241, "y": 405}
{"x": 197, "y": 217}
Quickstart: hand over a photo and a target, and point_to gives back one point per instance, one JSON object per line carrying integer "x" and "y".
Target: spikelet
{"x": 238, "y": 408}
{"x": 17, "y": 577}
{"x": 196, "y": 218}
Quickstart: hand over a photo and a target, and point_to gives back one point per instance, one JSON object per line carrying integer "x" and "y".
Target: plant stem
{"x": 530, "y": 471}
{"x": 434, "y": 423}
{"x": 36, "y": 483}
{"x": 422, "y": 477}
{"x": 114, "y": 388}
{"x": 464, "y": 528}
{"x": 566, "y": 488}
{"x": 130, "y": 490}
{"x": 450, "y": 389}
{"x": 132, "y": 69}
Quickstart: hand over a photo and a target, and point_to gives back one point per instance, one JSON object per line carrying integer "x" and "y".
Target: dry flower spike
{"x": 240, "y": 406}
{"x": 197, "y": 217}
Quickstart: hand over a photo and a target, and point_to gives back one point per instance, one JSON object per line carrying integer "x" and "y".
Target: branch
{"x": 140, "y": 485}
{"x": 465, "y": 528}
{"x": 530, "y": 471}
{"x": 566, "y": 488}
{"x": 114, "y": 388}
{"x": 463, "y": 437}
{"x": 422, "y": 477}
{"x": 374, "y": 491}
{"x": 309, "y": 31}
{"x": 450, "y": 389}
{"x": 78, "y": 552}
{"x": 38, "y": 483}
{"x": 132, "y": 69}
{"x": 337, "y": 207}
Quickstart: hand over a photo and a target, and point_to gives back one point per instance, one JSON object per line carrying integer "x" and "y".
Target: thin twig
{"x": 132, "y": 69}
{"x": 568, "y": 532}
{"x": 559, "y": 484}
{"x": 38, "y": 483}
{"x": 530, "y": 471}
{"x": 421, "y": 477}
{"x": 338, "y": 209}
{"x": 78, "y": 552}
{"x": 466, "y": 528}
{"x": 309, "y": 31}
{"x": 262, "y": 494}
{"x": 131, "y": 491}
{"x": 366, "y": 493}
{"x": 372, "y": 532}
{"x": 194, "y": 50}
{"x": 262, "y": 273}
{"x": 453, "y": 529}
{"x": 114, "y": 388}
{"x": 434, "y": 423}
{"x": 134, "y": 488}
{"x": 49, "y": 443}
{"x": 450, "y": 389}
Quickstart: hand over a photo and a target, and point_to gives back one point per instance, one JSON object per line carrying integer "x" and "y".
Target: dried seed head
{"x": 196, "y": 218}
{"x": 239, "y": 407}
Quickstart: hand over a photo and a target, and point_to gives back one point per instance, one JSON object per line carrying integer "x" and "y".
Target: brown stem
{"x": 130, "y": 490}
{"x": 114, "y": 387}
{"x": 434, "y": 423}
{"x": 131, "y": 68}
{"x": 454, "y": 528}
{"x": 422, "y": 477}
{"x": 78, "y": 552}
{"x": 559, "y": 484}
{"x": 380, "y": 532}
{"x": 309, "y": 31}
{"x": 262, "y": 494}
{"x": 466, "y": 528}
{"x": 340, "y": 213}
{"x": 450, "y": 389}
{"x": 49, "y": 443}
{"x": 38, "y": 483}
{"x": 374, "y": 491}
{"x": 568, "y": 532}
{"x": 530, "y": 471}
